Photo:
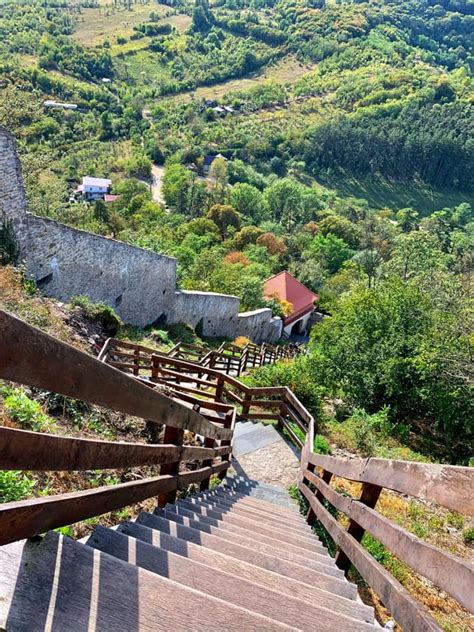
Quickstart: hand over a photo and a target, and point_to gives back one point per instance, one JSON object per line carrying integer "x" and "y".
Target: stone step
{"x": 69, "y": 587}
{"x": 255, "y": 542}
{"x": 246, "y": 570}
{"x": 225, "y": 586}
{"x": 325, "y": 577}
{"x": 219, "y": 518}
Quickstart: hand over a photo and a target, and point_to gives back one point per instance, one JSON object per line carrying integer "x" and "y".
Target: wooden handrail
{"x": 447, "y": 485}
{"x": 30, "y": 356}
{"x": 27, "y": 518}
{"x": 35, "y": 451}
{"x": 449, "y": 572}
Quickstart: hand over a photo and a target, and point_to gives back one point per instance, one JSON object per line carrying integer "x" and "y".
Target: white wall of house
{"x": 294, "y": 326}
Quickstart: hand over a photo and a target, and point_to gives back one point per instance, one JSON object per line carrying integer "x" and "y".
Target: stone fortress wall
{"x": 139, "y": 284}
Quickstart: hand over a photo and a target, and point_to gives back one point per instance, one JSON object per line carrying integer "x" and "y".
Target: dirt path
{"x": 157, "y": 173}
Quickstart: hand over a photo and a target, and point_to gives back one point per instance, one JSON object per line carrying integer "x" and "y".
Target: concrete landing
{"x": 264, "y": 455}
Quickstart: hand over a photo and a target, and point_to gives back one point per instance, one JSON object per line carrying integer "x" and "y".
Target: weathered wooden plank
{"x": 250, "y": 571}
{"x": 446, "y": 485}
{"x": 27, "y": 518}
{"x": 228, "y": 587}
{"x": 410, "y": 614}
{"x": 30, "y": 356}
{"x": 94, "y": 591}
{"x": 35, "y": 451}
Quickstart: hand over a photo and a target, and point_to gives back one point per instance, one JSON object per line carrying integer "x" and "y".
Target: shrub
{"x": 294, "y": 374}
{"x": 320, "y": 445}
{"x": 468, "y": 536}
{"x": 98, "y": 312}
{"x": 9, "y": 249}
{"x": 241, "y": 341}
{"x": 14, "y": 485}
{"x": 27, "y": 412}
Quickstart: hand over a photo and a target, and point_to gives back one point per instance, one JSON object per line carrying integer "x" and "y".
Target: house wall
{"x": 139, "y": 284}
{"x": 303, "y": 326}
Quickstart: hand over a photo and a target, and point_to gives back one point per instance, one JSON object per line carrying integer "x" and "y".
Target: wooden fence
{"x": 205, "y": 401}
{"x": 31, "y": 357}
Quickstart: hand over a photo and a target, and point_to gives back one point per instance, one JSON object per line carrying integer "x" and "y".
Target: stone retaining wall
{"x": 139, "y": 284}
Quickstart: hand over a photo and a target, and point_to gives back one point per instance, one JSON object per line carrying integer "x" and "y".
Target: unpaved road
{"x": 157, "y": 173}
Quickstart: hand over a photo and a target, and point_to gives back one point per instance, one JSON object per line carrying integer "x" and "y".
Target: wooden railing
{"x": 229, "y": 358}
{"x": 445, "y": 485}
{"x": 211, "y": 381}
{"x": 31, "y": 357}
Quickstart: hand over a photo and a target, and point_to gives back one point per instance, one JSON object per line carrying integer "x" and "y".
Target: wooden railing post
{"x": 369, "y": 497}
{"x": 136, "y": 362}
{"x": 228, "y": 423}
{"x": 220, "y": 388}
{"x": 247, "y": 404}
{"x": 208, "y": 443}
{"x": 174, "y": 436}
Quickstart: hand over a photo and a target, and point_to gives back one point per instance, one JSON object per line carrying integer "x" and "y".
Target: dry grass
{"x": 286, "y": 70}
{"x": 101, "y": 23}
{"x": 434, "y": 525}
{"x": 19, "y": 297}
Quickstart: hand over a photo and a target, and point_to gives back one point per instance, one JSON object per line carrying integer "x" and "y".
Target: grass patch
{"x": 381, "y": 193}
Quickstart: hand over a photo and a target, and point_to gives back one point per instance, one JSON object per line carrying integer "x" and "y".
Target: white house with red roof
{"x": 287, "y": 288}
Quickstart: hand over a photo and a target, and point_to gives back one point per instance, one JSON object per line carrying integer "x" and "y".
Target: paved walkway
{"x": 276, "y": 464}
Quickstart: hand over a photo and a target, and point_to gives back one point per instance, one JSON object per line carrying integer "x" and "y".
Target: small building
{"x": 63, "y": 106}
{"x": 94, "y": 188}
{"x": 208, "y": 160}
{"x": 289, "y": 289}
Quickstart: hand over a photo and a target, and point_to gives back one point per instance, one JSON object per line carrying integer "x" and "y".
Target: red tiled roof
{"x": 287, "y": 288}
{"x": 108, "y": 197}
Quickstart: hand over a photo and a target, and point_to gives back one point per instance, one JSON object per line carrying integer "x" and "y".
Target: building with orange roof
{"x": 287, "y": 288}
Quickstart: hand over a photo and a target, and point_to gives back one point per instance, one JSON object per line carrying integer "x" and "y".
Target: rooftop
{"x": 96, "y": 182}
{"x": 287, "y": 288}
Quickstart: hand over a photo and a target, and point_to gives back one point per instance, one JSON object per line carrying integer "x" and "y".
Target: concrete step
{"x": 247, "y": 527}
{"x": 242, "y": 427}
{"x": 246, "y": 570}
{"x": 255, "y": 541}
{"x": 226, "y": 586}
{"x": 255, "y": 439}
{"x": 67, "y": 586}
{"x": 323, "y": 576}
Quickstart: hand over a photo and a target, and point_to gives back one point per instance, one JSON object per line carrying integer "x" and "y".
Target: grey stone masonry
{"x": 139, "y": 284}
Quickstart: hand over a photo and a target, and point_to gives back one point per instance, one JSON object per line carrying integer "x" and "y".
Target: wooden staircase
{"x": 239, "y": 557}
{"x": 223, "y": 559}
